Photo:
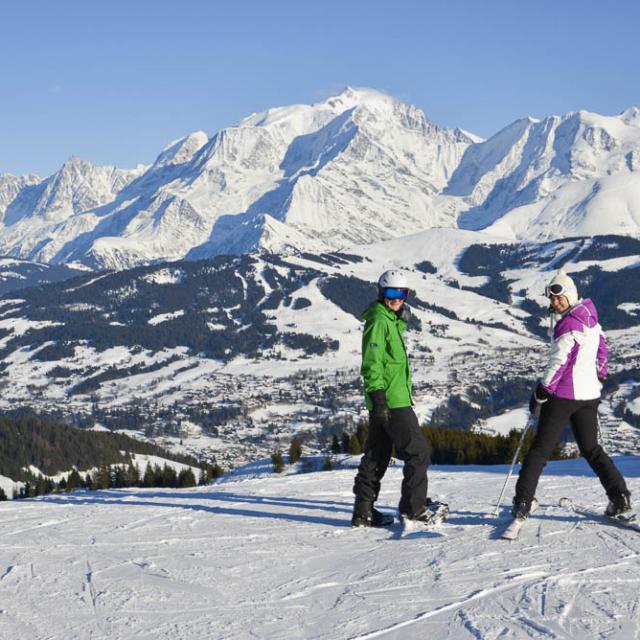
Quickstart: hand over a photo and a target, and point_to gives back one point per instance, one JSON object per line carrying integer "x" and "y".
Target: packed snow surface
{"x": 264, "y": 556}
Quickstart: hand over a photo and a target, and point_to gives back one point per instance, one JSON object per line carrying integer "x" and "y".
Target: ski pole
{"x": 513, "y": 464}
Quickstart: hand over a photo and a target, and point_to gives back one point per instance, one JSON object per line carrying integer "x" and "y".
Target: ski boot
{"x": 521, "y": 508}
{"x": 366, "y": 515}
{"x": 619, "y": 503}
{"x": 433, "y": 513}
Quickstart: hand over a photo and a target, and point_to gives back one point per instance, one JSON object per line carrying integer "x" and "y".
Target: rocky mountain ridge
{"x": 356, "y": 168}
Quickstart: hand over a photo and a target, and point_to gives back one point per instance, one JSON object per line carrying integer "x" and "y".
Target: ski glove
{"x": 539, "y": 396}
{"x": 380, "y": 411}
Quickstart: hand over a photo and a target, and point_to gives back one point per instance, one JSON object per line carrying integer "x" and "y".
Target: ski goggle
{"x": 395, "y": 294}
{"x": 554, "y": 290}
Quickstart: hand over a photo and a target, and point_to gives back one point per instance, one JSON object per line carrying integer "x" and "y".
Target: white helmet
{"x": 393, "y": 278}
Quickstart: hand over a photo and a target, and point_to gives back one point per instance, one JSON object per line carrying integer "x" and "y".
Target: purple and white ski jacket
{"x": 578, "y": 355}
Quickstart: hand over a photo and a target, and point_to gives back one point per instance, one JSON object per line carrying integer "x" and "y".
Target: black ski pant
{"x": 403, "y": 432}
{"x": 554, "y": 415}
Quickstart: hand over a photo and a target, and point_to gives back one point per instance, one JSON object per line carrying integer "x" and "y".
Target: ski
{"x": 629, "y": 521}
{"x": 515, "y": 526}
{"x": 435, "y": 514}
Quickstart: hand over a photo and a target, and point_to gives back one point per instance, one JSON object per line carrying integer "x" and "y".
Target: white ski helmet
{"x": 394, "y": 279}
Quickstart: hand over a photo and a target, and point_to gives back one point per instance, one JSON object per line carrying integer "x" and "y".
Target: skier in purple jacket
{"x": 569, "y": 391}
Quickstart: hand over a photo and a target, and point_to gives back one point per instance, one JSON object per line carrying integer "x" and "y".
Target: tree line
{"x": 115, "y": 477}
{"x": 28, "y": 439}
{"x": 452, "y": 446}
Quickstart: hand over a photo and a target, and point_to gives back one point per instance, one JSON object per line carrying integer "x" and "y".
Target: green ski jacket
{"x": 384, "y": 358}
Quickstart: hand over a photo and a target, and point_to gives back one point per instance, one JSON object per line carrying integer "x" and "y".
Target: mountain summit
{"x": 358, "y": 167}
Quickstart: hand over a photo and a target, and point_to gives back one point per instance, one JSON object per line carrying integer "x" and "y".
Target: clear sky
{"x": 114, "y": 81}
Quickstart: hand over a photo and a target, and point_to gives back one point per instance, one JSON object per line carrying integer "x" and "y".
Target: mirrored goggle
{"x": 554, "y": 290}
{"x": 395, "y": 294}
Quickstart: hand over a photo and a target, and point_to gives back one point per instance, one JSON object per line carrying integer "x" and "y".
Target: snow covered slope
{"x": 275, "y": 557}
{"x": 18, "y": 274}
{"x": 576, "y": 175}
{"x": 258, "y": 348}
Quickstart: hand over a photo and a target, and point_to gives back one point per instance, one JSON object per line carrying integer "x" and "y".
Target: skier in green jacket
{"x": 392, "y": 421}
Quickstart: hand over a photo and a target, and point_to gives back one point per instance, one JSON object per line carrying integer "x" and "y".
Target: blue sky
{"x": 113, "y": 82}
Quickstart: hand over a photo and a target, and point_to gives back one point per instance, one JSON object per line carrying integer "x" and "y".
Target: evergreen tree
{"x": 335, "y": 444}
{"x": 49, "y": 485}
{"x": 295, "y": 450}
{"x": 346, "y": 442}
{"x": 3, "y": 495}
{"x": 354, "y": 445}
{"x": 101, "y": 478}
{"x": 186, "y": 478}
{"x": 148, "y": 479}
{"x": 40, "y": 486}
{"x": 133, "y": 475}
{"x": 169, "y": 476}
{"x": 74, "y": 481}
{"x": 217, "y": 471}
{"x": 327, "y": 464}
{"x": 277, "y": 462}
{"x": 119, "y": 477}
{"x": 158, "y": 476}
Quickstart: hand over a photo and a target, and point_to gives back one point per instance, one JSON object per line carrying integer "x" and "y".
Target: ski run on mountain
{"x": 274, "y": 556}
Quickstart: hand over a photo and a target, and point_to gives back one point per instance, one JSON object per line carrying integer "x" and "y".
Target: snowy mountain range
{"x": 356, "y": 168}
{"x": 576, "y": 175}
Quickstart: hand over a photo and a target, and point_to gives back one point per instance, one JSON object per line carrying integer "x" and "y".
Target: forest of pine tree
{"x": 34, "y": 441}
{"x": 453, "y": 446}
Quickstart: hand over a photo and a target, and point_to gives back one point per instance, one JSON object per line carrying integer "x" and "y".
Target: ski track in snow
{"x": 275, "y": 557}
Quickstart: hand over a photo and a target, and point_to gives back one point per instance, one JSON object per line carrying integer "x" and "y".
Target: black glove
{"x": 539, "y": 396}
{"x": 380, "y": 411}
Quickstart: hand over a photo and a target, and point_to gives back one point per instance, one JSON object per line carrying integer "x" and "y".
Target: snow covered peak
{"x": 181, "y": 150}
{"x": 351, "y": 97}
{"x": 631, "y": 116}
{"x": 367, "y": 105}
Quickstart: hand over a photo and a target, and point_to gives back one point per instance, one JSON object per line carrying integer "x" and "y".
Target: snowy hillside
{"x": 18, "y": 274}
{"x": 275, "y": 557}
{"x": 576, "y": 175}
{"x": 258, "y": 348}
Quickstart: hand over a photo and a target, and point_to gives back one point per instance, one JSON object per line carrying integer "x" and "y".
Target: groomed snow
{"x": 275, "y": 557}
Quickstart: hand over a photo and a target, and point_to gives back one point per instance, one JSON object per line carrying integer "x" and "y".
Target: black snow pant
{"x": 403, "y": 431}
{"x": 554, "y": 415}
